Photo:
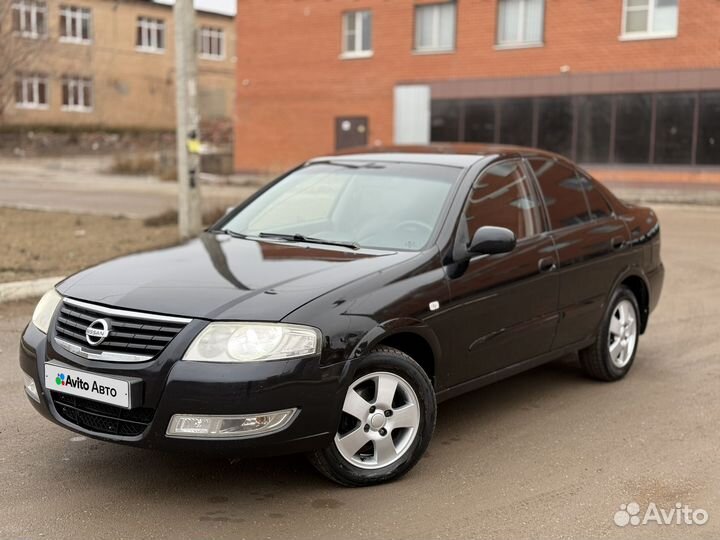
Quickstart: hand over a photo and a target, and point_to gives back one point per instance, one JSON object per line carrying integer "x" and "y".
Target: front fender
{"x": 392, "y": 327}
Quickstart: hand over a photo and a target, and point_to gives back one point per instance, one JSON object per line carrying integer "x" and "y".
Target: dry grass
{"x": 170, "y": 217}
{"x": 168, "y": 174}
{"x": 159, "y": 165}
{"x": 141, "y": 164}
{"x": 39, "y": 244}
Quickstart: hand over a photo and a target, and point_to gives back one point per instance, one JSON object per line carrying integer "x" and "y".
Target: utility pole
{"x": 186, "y": 111}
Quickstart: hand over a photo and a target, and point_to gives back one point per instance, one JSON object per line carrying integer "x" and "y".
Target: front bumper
{"x": 165, "y": 386}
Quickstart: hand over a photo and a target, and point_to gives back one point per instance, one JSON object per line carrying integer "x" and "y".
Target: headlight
{"x": 45, "y": 309}
{"x": 249, "y": 342}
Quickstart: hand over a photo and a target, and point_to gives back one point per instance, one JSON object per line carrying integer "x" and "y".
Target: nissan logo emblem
{"x": 97, "y": 331}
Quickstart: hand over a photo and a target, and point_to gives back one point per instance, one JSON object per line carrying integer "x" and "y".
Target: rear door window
{"x": 563, "y": 189}
{"x": 597, "y": 204}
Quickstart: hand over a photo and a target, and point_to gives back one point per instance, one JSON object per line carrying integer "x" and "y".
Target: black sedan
{"x": 330, "y": 312}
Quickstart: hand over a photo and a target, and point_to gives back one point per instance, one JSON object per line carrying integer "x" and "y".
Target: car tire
{"x": 613, "y": 353}
{"x": 361, "y": 453}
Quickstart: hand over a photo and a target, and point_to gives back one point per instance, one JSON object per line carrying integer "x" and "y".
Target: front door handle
{"x": 618, "y": 242}
{"x": 546, "y": 264}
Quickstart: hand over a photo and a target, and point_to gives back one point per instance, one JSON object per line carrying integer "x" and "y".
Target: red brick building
{"x": 631, "y": 82}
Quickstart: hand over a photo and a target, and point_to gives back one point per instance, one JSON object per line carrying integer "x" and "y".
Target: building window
{"x": 74, "y": 24}
{"x": 76, "y": 93}
{"x": 516, "y": 122}
{"x": 632, "y": 128}
{"x": 649, "y": 18}
{"x": 555, "y": 124}
{"x": 357, "y": 34}
{"x": 29, "y": 18}
{"x": 445, "y": 120}
{"x": 435, "y": 27}
{"x": 31, "y": 91}
{"x": 520, "y": 22}
{"x": 708, "y": 152}
{"x": 211, "y": 43}
{"x": 674, "y": 128}
{"x": 479, "y": 121}
{"x": 642, "y": 128}
{"x": 594, "y": 118}
{"x": 150, "y": 35}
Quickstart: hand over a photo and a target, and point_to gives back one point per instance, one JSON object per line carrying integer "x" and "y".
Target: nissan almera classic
{"x": 330, "y": 312}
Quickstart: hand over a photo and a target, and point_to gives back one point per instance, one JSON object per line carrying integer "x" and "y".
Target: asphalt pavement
{"x": 80, "y": 186}
{"x": 547, "y": 454}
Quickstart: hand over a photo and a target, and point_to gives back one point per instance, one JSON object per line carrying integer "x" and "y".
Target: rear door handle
{"x": 546, "y": 264}
{"x": 618, "y": 242}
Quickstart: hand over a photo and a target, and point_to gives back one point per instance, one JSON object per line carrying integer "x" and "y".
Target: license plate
{"x": 87, "y": 385}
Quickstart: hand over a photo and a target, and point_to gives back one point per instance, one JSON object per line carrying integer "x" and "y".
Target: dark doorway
{"x": 351, "y": 131}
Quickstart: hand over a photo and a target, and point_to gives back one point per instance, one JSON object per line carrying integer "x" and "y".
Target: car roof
{"x": 450, "y": 154}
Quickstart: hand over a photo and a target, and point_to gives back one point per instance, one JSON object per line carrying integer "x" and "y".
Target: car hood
{"x": 219, "y": 277}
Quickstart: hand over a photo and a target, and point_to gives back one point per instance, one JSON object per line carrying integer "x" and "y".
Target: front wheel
{"x": 612, "y": 355}
{"x": 387, "y": 420}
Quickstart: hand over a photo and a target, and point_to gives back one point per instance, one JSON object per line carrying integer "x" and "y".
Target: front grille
{"x": 101, "y": 417}
{"x": 138, "y": 334}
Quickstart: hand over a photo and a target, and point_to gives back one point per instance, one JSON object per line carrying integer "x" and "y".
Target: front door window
{"x": 503, "y": 197}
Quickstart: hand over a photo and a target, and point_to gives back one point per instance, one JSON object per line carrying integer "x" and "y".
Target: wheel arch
{"x": 410, "y": 336}
{"x": 634, "y": 279}
{"x": 639, "y": 288}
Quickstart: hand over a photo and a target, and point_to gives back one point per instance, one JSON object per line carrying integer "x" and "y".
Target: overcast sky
{"x": 226, "y": 7}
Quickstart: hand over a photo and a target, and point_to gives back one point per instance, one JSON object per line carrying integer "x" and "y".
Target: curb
{"x": 20, "y": 290}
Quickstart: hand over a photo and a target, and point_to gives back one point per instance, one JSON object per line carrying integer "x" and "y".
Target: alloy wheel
{"x": 622, "y": 334}
{"x": 380, "y": 420}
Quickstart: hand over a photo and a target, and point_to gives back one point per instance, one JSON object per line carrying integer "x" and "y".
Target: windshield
{"x": 379, "y": 205}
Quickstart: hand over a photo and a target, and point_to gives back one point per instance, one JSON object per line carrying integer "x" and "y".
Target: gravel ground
{"x": 37, "y": 244}
{"x": 546, "y": 454}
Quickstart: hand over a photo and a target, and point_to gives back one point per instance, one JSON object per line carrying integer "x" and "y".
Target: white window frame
{"x": 31, "y": 82}
{"x": 649, "y": 33}
{"x": 357, "y": 51}
{"x": 150, "y": 28}
{"x": 80, "y": 14}
{"x": 205, "y": 36}
{"x": 34, "y": 7}
{"x": 521, "y": 44}
{"x": 76, "y": 81}
{"x": 435, "y": 47}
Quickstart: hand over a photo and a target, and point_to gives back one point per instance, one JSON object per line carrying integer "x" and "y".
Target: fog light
{"x": 246, "y": 425}
{"x": 30, "y": 388}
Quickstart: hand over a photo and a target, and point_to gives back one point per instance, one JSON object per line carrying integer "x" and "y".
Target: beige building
{"x": 110, "y": 64}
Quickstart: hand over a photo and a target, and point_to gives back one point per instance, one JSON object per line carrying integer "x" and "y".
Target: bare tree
{"x": 17, "y": 53}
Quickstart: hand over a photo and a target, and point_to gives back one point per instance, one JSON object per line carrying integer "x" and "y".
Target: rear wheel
{"x": 612, "y": 355}
{"x": 387, "y": 419}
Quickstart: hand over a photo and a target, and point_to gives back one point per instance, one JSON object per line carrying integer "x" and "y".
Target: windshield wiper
{"x": 229, "y": 232}
{"x": 371, "y": 165}
{"x": 297, "y": 237}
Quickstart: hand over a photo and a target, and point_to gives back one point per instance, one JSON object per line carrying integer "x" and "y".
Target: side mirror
{"x": 491, "y": 240}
